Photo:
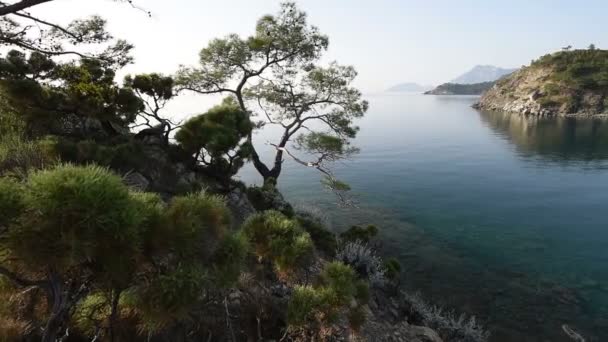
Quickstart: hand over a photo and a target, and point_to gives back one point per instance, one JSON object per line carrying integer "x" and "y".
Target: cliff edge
{"x": 565, "y": 83}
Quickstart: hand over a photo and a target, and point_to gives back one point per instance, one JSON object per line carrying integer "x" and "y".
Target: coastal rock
{"x": 566, "y": 83}
{"x": 137, "y": 181}
{"x": 239, "y": 205}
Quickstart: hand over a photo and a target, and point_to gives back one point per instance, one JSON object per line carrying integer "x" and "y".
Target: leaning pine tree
{"x": 274, "y": 74}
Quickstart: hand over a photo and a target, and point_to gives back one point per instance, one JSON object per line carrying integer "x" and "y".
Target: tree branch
{"x": 21, "y": 282}
{"x": 19, "y": 6}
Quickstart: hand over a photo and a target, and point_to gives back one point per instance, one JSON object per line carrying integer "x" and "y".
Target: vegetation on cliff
{"x": 460, "y": 89}
{"x": 570, "y": 82}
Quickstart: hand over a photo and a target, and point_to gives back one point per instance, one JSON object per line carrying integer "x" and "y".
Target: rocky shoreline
{"x": 559, "y": 84}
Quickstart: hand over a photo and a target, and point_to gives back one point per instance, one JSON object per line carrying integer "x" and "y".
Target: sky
{"x": 388, "y": 41}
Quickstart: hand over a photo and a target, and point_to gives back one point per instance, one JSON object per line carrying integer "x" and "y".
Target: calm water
{"x": 495, "y": 215}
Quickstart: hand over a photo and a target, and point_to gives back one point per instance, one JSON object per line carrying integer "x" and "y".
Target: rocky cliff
{"x": 564, "y": 83}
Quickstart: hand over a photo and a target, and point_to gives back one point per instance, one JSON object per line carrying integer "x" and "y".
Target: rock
{"x": 421, "y": 334}
{"x": 137, "y": 181}
{"x": 239, "y": 204}
{"x": 542, "y": 90}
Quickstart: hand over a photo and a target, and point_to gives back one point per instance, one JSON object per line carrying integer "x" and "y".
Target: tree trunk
{"x": 59, "y": 299}
{"x": 114, "y": 312}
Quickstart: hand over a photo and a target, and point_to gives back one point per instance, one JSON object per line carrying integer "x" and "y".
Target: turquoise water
{"x": 495, "y": 215}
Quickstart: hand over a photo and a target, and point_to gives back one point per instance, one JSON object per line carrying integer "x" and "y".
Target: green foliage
{"x": 198, "y": 222}
{"x": 56, "y": 98}
{"x": 228, "y": 260}
{"x": 578, "y": 69}
{"x": 274, "y": 72}
{"x": 341, "y": 278}
{"x": 314, "y": 306}
{"x": 77, "y": 216}
{"x": 19, "y": 156}
{"x": 324, "y": 240}
{"x": 170, "y": 296}
{"x": 461, "y": 89}
{"x": 303, "y": 303}
{"x": 217, "y": 138}
{"x": 362, "y": 292}
{"x": 279, "y": 239}
{"x": 153, "y": 85}
{"x": 360, "y": 234}
{"x": 357, "y": 317}
{"x": 392, "y": 268}
{"x": 11, "y": 201}
{"x": 11, "y": 123}
{"x": 89, "y": 312}
{"x": 285, "y": 37}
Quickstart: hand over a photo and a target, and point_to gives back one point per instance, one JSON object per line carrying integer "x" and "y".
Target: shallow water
{"x": 492, "y": 214}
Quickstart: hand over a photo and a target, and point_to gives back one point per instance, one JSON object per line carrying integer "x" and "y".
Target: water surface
{"x": 496, "y": 215}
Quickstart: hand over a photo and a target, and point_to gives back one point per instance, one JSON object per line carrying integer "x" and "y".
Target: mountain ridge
{"x": 482, "y": 73}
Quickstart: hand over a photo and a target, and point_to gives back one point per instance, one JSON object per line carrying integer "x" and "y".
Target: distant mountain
{"x": 481, "y": 74}
{"x": 461, "y": 89}
{"x": 409, "y": 87}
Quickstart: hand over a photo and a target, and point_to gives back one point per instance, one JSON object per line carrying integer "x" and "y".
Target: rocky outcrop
{"x": 560, "y": 84}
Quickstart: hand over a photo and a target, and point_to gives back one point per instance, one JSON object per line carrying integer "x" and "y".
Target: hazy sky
{"x": 388, "y": 41}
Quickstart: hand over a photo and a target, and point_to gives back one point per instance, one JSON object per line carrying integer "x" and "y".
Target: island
{"x": 564, "y": 83}
{"x": 460, "y": 89}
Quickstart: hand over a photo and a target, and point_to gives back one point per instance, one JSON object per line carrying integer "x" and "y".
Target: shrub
{"x": 197, "y": 222}
{"x": 312, "y": 307}
{"x": 77, "y": 215}
{"x": 303, "y": 304}
{"x": 360, "y": 234}
{"x": 324, "y": 240}
{"x": 228, "y": 260}
{"x": 450, "y": 327}
{"x": 392, "y": 268}
{"x": 362, "y": 293}
{"x": 170, "y": 297}
{"x": 341, "y": 278}
{"x": 11, "y": 201}
{"x": 357, "y": 317}
{"x": 364, "y": 261}
{"x": 18, "y": 157}
{"x": 277, "y": 238}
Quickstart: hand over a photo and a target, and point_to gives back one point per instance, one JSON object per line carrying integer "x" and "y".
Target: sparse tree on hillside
{"x": 21, "y": 29}
{"x": 218, "y": 139}
{"x": 273, "y": 75}
{"x": 155, "y": 91}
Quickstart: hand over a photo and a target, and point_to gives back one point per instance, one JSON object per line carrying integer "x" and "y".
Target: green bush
{"x": 279, "y": 239}
{"x": 77, "y": 215}
{"x": 324, "y": 240}
{"x": 313, "y": 307}
{"x": 228, "y": 260}
{"x": 11, "y": 201}
{"x": 357, "y": 317}
{"x": 18, "y": 156}
{"x": 392, "y": 268}
{"x": 362, "y": 293}
{"x": 170, "y": 296}
{"x": 340, "y": 277}
{"x": 360, "y": 234}
{"x": 303, "y": 304}
{"x": 198, "y": 222}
